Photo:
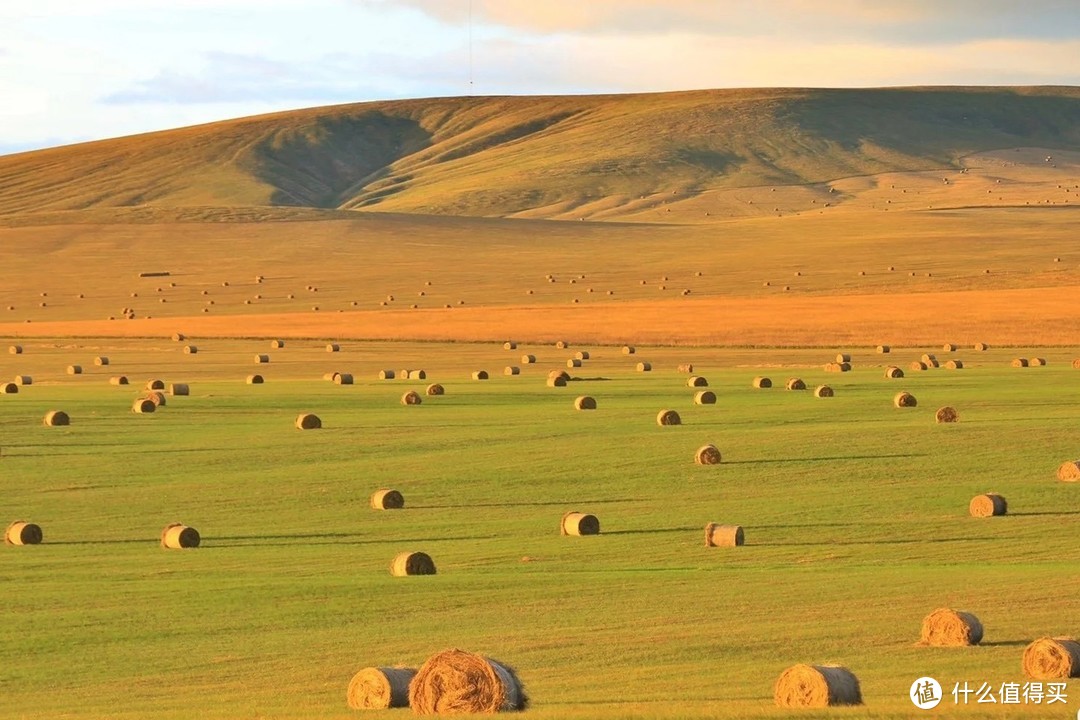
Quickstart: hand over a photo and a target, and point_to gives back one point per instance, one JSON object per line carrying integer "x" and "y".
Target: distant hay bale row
{"x": 817, "y": 686}
{"x": 387, "y": 499}
{"x": 455, "y": 682}
{"x": 988, "y": 505}
{"x": 21, "y": 532}
{"x": 762, "y": 382}
{"x": 177, "y": 536}
{"x": 724, "y": 535}
{"x": 1052, "y": 658}
{"x": 379, "y": 688}
{"x": 904, "y": 400}
{"x": 578, "y": 523}
{"x": 412, "y": 563}
{"x": 945, "y": 627}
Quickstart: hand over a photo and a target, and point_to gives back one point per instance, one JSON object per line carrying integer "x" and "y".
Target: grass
{"x": 855, "y": 515}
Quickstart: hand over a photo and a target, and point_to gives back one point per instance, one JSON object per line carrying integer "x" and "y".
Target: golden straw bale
{"x": 707, "y": 455}
{"x": 981, "y": 346}
{"x": 343, "y": 379}
{"x": 845, "y": 367}
{"x": 556, "y": 381}
{"x": 24, "y": 380}
{"x": 511, "y": 370}
{"x": 628, "y": 350}
{"x": 74, "y": 369}
{"x": 1019, "y": 362}
{"x": 685, "y": 368}
{"x": 118, "y": 380}
{"x": 1037, "y": 362}
{"x": 411, "y": 398}
{"x": 277, "y": 344}
{"x": 157, "y": 397}
{"x": 948, "y": 347}
{"x": 696, "y": 381}
{"x": 262, "y": 359}
{"x": 704, "y": 397}
{"x": 15, "y": 349}
{"x": 143, "y": 405}
{"x": 892, "y": 372}
{"x": 528, "y": 359}
{"x": 1050, "y": 658}
{"x": 883, "y": 349}
{"x": 1069, "y": 471}
{"x": 578, "y": 523}
{"x": 585, "y": 402}
{"x": 177, "y": 389}
{"x": 950, "y": 628}
{"x": 56, "y": 418}
{"x": 480, "y": 375}
{"x": 762, "y": 382}
{"x": 177, "y": 536}
{"x": 954, "y": 365}
{"x": 178, "y": 337}
{"x": 947, "y": 414}
{"x": 387, "y": 499}
{"x": 928, "y": 358}
{"x": 988, "y": 505}
{"x": 455, "y": 682}
{"x": 412, "y": 563}
{"x": 254, "y": 379}
{"x": 644, "y": 367}
{"x": 843, "y": 358}
{"x": 723, "y": 535}
{"x": 668, "y": 417}
{"x": 435, "y": 389}
{"x": 904, "y": 399}
{"x": 21, "y": 532}
{"x": 509, "y": 345}
{"x": 573, "y": 363}
{"x": 1076, "y": 364}
{"x": 559, "y": 374}
{"x": 823, "y": 391}
{"x": 417, "y": 375}
{"x": 817, "y": 686}
{"x": 101, "y": 361}
{"x": 833, "y": 367}
{"x": 581, "y": 355}
{"x": 333, "y": 347}
{"x": 795, "y": 384}
{"x": 308, "y": 421}
{"x": 561, "y": 345}
{"x": 379, "y": 688}
{"x": 386, "y": 374}
{"x": 9, "y": 388}
{"x": 918, "y": 365}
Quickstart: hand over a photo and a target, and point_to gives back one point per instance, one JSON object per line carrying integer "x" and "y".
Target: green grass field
{"x": 855, "y": 515}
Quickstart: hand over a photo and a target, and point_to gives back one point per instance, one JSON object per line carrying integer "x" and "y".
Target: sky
{"x": 77, "y": 70}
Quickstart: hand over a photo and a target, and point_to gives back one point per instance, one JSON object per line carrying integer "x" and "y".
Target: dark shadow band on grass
{"x": 823, "y": 459}
{"x": 231, "y": 541}
{"x": 1006, "y": 643}
{"x": 576, "y": 503}
{"x": 891, "y": 541}
{"x": 1042, "y": 514}
{"x": 643, "y": 531}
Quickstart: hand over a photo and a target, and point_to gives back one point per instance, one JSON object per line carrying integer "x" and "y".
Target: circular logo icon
{"x": 925, "y": 693}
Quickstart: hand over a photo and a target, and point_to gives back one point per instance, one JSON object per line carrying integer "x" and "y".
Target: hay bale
{"x": 644, "y": 367}
{"x": 434, "y": 389}
{"x": 308, "y": 421}
{"x": 412, "y": 563}
{"x": 954, "y": 365}
{"x": 178, "y": 389}
{"x": 177, "y": 536}
{"x": 560, "y": 374}
{"x": 928, "y": 358}
{"x": 917, "y": 366}
{"x": 817, "y": 686}
{"x": 56, "y": 418}
{"x": 981, "y": 347}
{"x": 1069, "y": 471}
{"x": 480, "y": 375}
{"x": 511, "y": 370}
{"x": 628, "y": 350}
{"x": 101, "y": 361}
{"x": 947, "y": 414}
{"x": 988, "y": 505}
{"x": 254, "y": 380}
{"x": 795, "y": 384}
{"x": 1052, "y": 658}
{"x": 528, "y": 359}
{"x": 581, "y": 355}
{"x": 379, "y": 688}
{"x": 417, "y": 375}
{"x": 509, "y": 345}
{"x": 948, "y": 347}
{"x": 178, "y": 337}
{"x": 696, "y": 381}
{"x": 585, "y": 402}
{"x": 386, "y": 374}
{"x": 561, "y": 345}
{"x": 156, "y": 397}
{"x": 762, "y": 382}
{"x": 573, "y": 363}
{"x": 333, "y": 347}
{"x": 191, "y": 350}
{"x": 24, "y": 380}
{"x": 950, "y": 628}
{"x": 723, "y": 535}
{"x": 893, "y": 373}
{"x": 15, "y": 349}
{"x": 411, "y": 398}
{"x": 455, "y": 682}
{"x": 1037, "y": 362}
{"x": 843, "y": 358}
{"x": 883, "y": 349}
{"x": 707, "y": 455}
{"x": 704, "y": 397}
{"x": 904, "y": 399}
{"x": 1019, "y": 362}
{"x": 833, "y": 367}
{"x": 74, "y": 369}
{"x": 685, "y": 368}
{"x": 21, "y": 532}
{"x": 578, "y": 523}
{"x": 9, "y": 389}
{"x": 668, "y": 417}
{"x": 556, "y": 381}
{"x": 387, "y": 499}
{"x": 118, "y": 380}
{"x": 262, "y": 359}
{"x": 823, "y": 391}
{"x": 143, "y": 406}
{"x": 277, "y": 344}
{"x": 343, "y": 379}
{"x": 1076, "y": 364}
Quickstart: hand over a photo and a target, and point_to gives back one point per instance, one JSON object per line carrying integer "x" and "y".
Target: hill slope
{"x": 597, "y": 156}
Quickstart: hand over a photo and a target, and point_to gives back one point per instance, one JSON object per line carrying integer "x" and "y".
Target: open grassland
{"x": 855, "y": 515}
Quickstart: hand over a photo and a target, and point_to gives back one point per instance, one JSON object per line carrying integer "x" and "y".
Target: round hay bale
{"x": 511, "y": 370}
{"x": 795, "y": 384}
{"x": 950, "y": 628}
{"x": 573, "y": 363}
{"x": 585, "y": 402}
{"x": 177, "y": 536}
{"x": 954, "y": 365}
{"x": 948, "y": 347}
{"x": 434, "y": 389}
{"x": 823, "y": 391}
{"x": 1037, "y": 362}
{"x": 9, "y": 389}
{"x": 178, "y": 337}
{"x": 56, "y": 418}
{"x": 528, "y": 359}
{"x": 262, "y": 359}
{"x": 644, "y": 367}
{"x": 685, "y": 368}
{"x": 101, "y": 361}
{"x": 455, "y": 682}
{"x": 817, "y": 686}
{"x": 178, "y": 389}
{"x": 833, "y": 367}
{"x": 762, "y": 382}
{"x": 386, "y": 374}
{"x": 308, "y": 421}
{"x": 156, "y": 397}
{"x": 1050, "y": 658}
{"x": 581, "y": 355}
{"x": 917, "y": 366}
{"x": 387, "y": 499}
{"x": 333, "y": 347}
{"x": 704, "y": 397}
{"x": 480, "y": 375}
{"x": 904, "y": 399}
{"x": 723, "y": 535}
{"x": 628, "y": 350}
{"x": 1019, "y": 362}
{"x": 417, "y": 375}
{"x": 509, "y": 345}
{"x": 668, "y": 417}
{"x": 981, "y": 347}
{"x": 24, "y": 380}
{"x": 343, "y": 379}
{"x": 191, "y": 350}
{"x": 254, "y": 380}
{"x": 579, "y": 523}
{"x": 412, "y": 563}
{"x": 707, "y": 455}
{"x": 118, "y": 380}
{"x": 74, "y": 369}
{"x": 696, "y": 381}
{"x": 15, "y": 349}
{"x": 379, "y": 688}
{"x": 947, "y": 414}
{"x": 1076, "y": 364}
{"x": 561, "y": 345}
{"x": 411, "y": 398}
{"x": 929, "y": 359}
{"x": 988, "y": 505}
{"x": 556, "y": 381}
{"x": 143, "y": 406}
{"x": 21, "y": 532}
{"x": 843, "y": 358}
{"x": 1069, "y": 471}
{"x": 277, "y": 344}
{"x": 560, "y": 374}
{"x": 883, "y": 349}
{"x": 893, "y": 373}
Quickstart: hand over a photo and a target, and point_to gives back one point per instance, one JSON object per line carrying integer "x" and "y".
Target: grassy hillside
{"x": 544, "y": 156}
